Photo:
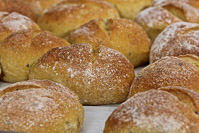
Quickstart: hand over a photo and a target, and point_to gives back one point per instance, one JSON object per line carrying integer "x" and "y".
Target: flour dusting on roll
{"x": 68, "y": 15}
{"x": 40, "y": 107}
{"x": 177, "y": 39}
{"x": 178, "y": 71}
{"x": 122, "y": 35}
{"x": 97, "y": 76}
{"x": 156, "y": 111}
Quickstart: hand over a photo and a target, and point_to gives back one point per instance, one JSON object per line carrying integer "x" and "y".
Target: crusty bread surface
{"x": 166, "y": 110}
{"x": 122, "y": 35}
{"x": 13, "y": 22}
{"x": 68, "y": 15}
{"x": 40, "y": 107}
{"x": 177, "y": 39}
{"x": 97, "y": 76}
{"x": 168, "y": 71}
{"x": 21, "y": 49}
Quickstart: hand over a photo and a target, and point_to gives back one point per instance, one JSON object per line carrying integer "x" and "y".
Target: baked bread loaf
{"x": 70, "y": 14}
{"x": 97, "y": 76}
{"x": 130, "y": 8}
{"x": 166, "y": 12}
{"x": 168, "y": 71}
{"x": 13, "y": 22}
{"x": 21, "y": 49}
{"x": 40, "y": 107}
{"x": 177, "y": 39}
{"x": 122, "y": 35}
{"x": 17, "y": 6}
{"x": 167, "y": 110}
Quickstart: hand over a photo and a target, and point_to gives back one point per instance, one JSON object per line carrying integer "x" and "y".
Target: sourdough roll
{"x": 177, "y": 39}
{"x": 13, "y": 22}
{"x": 97, "y": 76}
{"x": 70, "y": 14}
{"x": 19, "y": 50}
{"x": 166, "y": 12}
{"x": 122, "y": 35}
{"x": 167, "y": 110}
{"x": 178, "y": 71}
{"x": 130, "y": 8}
{"x": 17, "y": 6}
{"x": 40, "y": 107}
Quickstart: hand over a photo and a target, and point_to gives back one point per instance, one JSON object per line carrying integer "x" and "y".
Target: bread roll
{"x": 17, "y": 6}
{"x": 130, "y": 8}
{"x": 122, "y": 35}
{"x": 178, "y": 71}
{"x": 168, "y": 110}
{"x": 70, "y": 14}
{"x": 167, "y": 12}
{"x": 40, "y": 107}
{"x": 97, "y": 76}
{"x": 13, "y": 22}
{"x": 154, "y": 20}
{"x": 177, "y": 39}
{"x": 19, "y": 50}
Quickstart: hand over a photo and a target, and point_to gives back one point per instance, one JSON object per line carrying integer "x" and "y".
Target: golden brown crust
{"x": 36, "y": 84}
{"x": 49, "y": 108}
{"x": 122, "y": 35}
{"x": 154, "y": 111}
{"x": 193, "y": 59}
{"x": 189, "y": 8}
{"x": 184, "y": 95}
{"x": 70, "y": 14}
{"x": 130, "y": 8}
{"x": 154, "y": 20}
{"x": 167, "y": 71}
{"x": 177, "y": 39}
{"x": 98, "y": 76}
{"x": 40, "y": 6}
{"x": 13, "y": 22}
{"x": 165, "y": 12}
{"x": 21, "y": 49}
{"x": 17, "y": 6}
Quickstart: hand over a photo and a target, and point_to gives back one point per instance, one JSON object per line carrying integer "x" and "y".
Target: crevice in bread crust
{"x": 190, "y": 30}
{"x": 192, "y": 59}
{"x": 16, "y": 88}
{"x": 95, "y": 54}
{"x": 66, "y": 34}
{"x": 119, "y": 12}
{"x": 4, "y": 15}
{"x": 104, "y": 25}
{"x": 170, "y": 8}
{"x": 1, "y": 70}
{"x": 187, "y": 97}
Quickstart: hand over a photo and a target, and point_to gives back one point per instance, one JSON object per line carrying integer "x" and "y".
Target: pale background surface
{"x": 95, "y": 116}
